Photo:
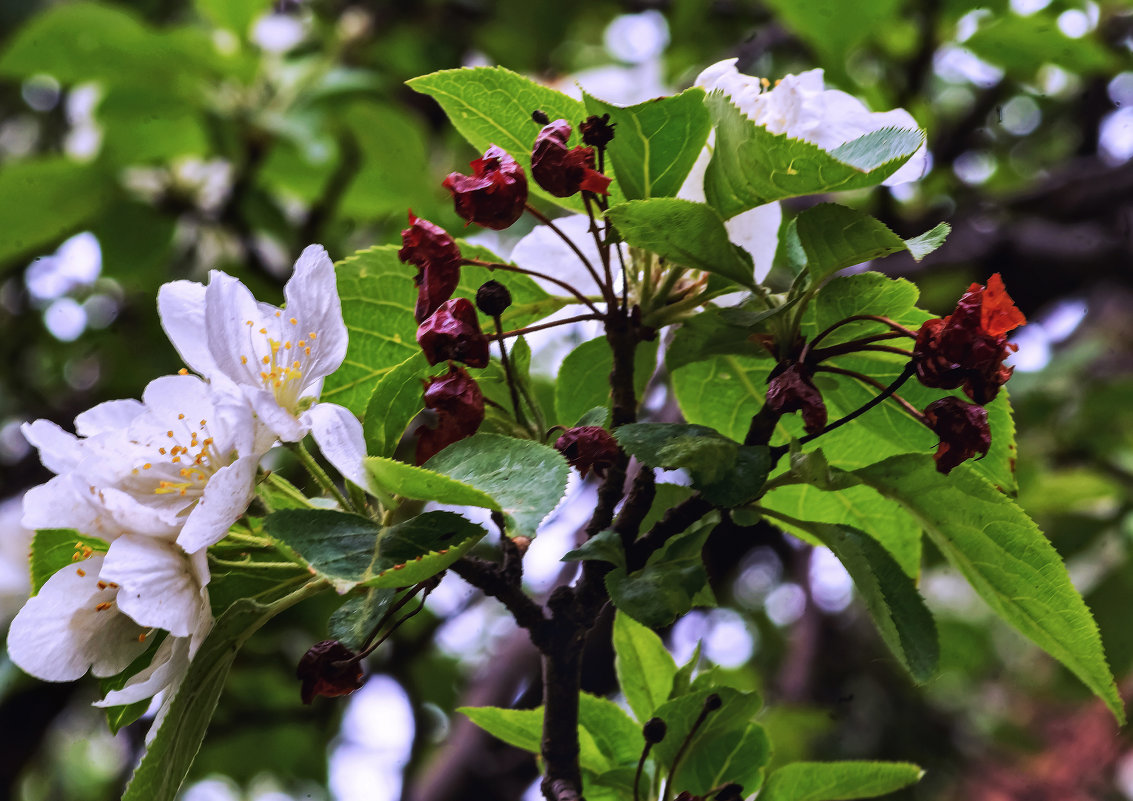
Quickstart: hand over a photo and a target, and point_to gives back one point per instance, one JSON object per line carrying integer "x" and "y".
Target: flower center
{"x": 181, "y": 466}
{"x": 281, "y": 358}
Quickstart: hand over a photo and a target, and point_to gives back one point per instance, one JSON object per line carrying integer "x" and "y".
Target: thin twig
{"x": 543, "y": 218}
{"x": 580, "y": 318}
{"x": 512, "y": 268}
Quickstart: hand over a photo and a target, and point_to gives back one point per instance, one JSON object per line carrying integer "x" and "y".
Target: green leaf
{"x": 378, "y": 298}
{"x": 655, "y": 142}
{"x": 889, "y": 594}
{"x": 835, "y": 27}
{"x": 277, "y": 493}
{"x": 727, "y": 473}
{"x": 118, "y": 717}
{"x": 834, "y": 237}
{"x": 352, "y": 622}
{"x": 751, "y": 166}
{"x": 715, "y": 332}
{"x": 684, "y": 232}
{"x": 1022, "y": 44}
{"x": 53, "y": 549}
{"x": 46, "y": 199}
{"x": 618, "y": 738}
{"x": 493, "y": 105}
{"x": 235, "y": 15}
{"x": 523, "y": 728}
{"x": 349, "y": 550}
{"x": 645, "y": 668}
{"x": 398, "y": 478}
{"x": 173, "y": 747}
{"x": 838, "y": 781}
{"x": 583, "y": 383}
{"x": 605, "y": 546}
{"x": 525, "y": 478}
{"x": 393, "y": 155}
{"x": 1006, "y": 559}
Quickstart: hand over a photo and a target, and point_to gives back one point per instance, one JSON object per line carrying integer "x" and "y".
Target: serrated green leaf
{"x": 889, "y": 595}
{"x": 684, "y": 232}
{"x": 53, "y": 549}
{"x": 1022, "y": 44}
{"x": 717, "y": 332}
{"x": 420, "y": 548}
{"x": 656, "y": 142}
{"x": 583, "y": 382}
{"x": 398, "y": 478}
{"x": 834, "y": 237}
{"x": 838, "y": 781}
{"x": 352, "y": 623}
{"x": 1006, "y": 559}
{"x": 644, "y": 667}
{"x": 493, "y": 105}
{"x": 605, "y": 546}
{"x": 751, "y": 166}
{"x": 525, "y": 478}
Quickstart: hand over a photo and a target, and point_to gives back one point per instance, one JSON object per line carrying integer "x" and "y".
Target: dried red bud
{"x": 793, "y": 391}
{"x": 453, "y": 332}
{"x": 589, "y": 448}
{"x": 459, "y": 406}
{"x": 494, "y": 195}
{"x": 492, "y": 298}
{"x": 562, "y": 171}
{"x": 597, "y": 131}
{"x": 654, "y": 730}
{"x": 540, "y": 116}
{"x": 438, "y": 264}
{"x": 962, "y": 428}
{"x": 326, "y": 670}
{"x": 967, "y": 348}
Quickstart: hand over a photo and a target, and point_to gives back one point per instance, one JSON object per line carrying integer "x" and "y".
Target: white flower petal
{"x": 108, "y": 416}
{"x": 225, "y": 498}
{"x": 159, "y": 586}
{"x": 338, "y": 433}
{"x": 311, "y": 297}
{"x": 232, "y": 319}
{"x": 59, "y": 451}
{"x": 170, "y": 662}
{"x": 545, "y": 252}
{"x": 757, "y": 231}
{"x": 181, "y": 306}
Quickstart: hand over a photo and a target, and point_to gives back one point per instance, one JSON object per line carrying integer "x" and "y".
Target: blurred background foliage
{"x": 155, "y": 140}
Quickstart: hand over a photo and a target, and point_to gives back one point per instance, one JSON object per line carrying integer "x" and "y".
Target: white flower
{"x": 803, "y": 108}
{"x": 180, "y": 464}
{"x": 15, "y": 541}
{"x": 98, "y": 613}
{"x": 277, "y": 358}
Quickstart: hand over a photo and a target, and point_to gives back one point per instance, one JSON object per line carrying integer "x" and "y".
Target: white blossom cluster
{"x": 163, "y": 478}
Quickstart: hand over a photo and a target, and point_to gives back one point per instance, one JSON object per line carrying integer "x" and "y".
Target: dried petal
{"x": 793, "y": 391}
{"x": 597, "y": 131}
{"x": 438, "y": 263}
{"x": 962, "y": 428}
{"x": 998, "y": 313}
{"x": 453, "y": 332}
{"x": 323, "y": 672}
{"x": 589, "y": 448}
{"x": 562, "y": 171}
{"x": 494, "y": 195}
{"x": 458, "y": 404}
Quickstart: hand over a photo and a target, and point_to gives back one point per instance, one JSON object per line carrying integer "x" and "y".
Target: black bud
{"x": 654, "y": 730}
{"x": 492, "y": 298}
{"x": 712, "y": 703}
{"x": 730, "y": 792}
{"x": 597, "y": 131}
{"x": 540, "y": 116}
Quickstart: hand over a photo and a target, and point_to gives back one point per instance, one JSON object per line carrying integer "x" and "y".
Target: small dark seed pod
{"x": 540, "y": 116}
{"x": 492, "y": 298}
{"x": 654, "y": 730}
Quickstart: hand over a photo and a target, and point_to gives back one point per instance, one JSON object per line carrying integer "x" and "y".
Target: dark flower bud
{"x": 685, "y": 795}
{"x": 492, "y": 298}
{"x": 793, "y": 391}
{"x": 962, "y": 428}
{"x": 967, "y": 348}
{"x": 589, "y": 448}
{"x": 654, "y": 730}
{"x": 453, "y": 332}
{"x": 730, "y": 792}
{"x": 562, "y": 171}
{"x": 438, "y": 264}
{"x": 458, "y": 407}
{"x": 326, "y": 669}
{"x": 540, "y": 116}
{"x": 597, "y": 131}
{"x": 494, "y": 195}
{"x": 712, "y": 703}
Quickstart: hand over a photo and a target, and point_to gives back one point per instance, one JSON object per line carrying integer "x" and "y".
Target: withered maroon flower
{"x": 494, "y": 195}
{"x": 322, "y": 672}
{"x": 459, "y": 408}
{"x": 962, "y": 428}
{"x": 597, "y": 131}
{"x": 793, "y": 391}
{"x": 562, "y": 171}
{"x": 967, "y": 348}
{"x": 453, "y": 332}
{"x": 589, "y": 448}
{"x": 438, "y": 264}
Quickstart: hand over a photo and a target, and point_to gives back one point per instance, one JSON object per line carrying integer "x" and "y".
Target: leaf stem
{"x": 543, "y": 218}
{"x": 873, "y": 382}
{"x": 512, "y": 268}
{"x": 580, "y": 318}
{"x": 320, "y": 475}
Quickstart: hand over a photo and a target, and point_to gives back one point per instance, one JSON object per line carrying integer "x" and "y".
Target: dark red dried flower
{"x": 438, "y": 264}
{"x": 793, "y": 391}
{"x": 967, "y": 348}
{"x": 962, "y": 428}
{"x": 322, "y": 672}
{"x": 458, "y": 404}
{"x": 494, "y": 195}
{"x": 562, "y": 171}
{"x": 453, "y": 332}
{"x": 589, "y": 448}
{"x": 597, "y": 131}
